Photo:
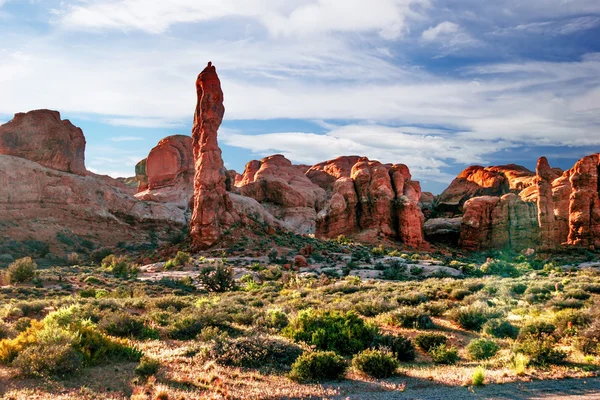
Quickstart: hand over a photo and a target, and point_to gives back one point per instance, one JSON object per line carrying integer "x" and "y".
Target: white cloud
{"x": 279, "y": 17}
{"x": 126, "y": 139}
{"x": 442, "y": 29}
{"x": 137, "y": 122}
{"x": 554, "y": 28}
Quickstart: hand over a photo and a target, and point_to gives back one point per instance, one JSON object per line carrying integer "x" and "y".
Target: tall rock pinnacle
{"x": 212, "y": 211}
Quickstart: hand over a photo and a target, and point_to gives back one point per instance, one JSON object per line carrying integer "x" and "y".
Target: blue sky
{"x": 435, "y": 84}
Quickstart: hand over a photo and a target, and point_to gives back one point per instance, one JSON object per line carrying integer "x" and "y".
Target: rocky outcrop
{"x": 57, "y": 208}
{"x": 213, "y": 210}
{"x": 41, "y": 136}
{"x": 167, "y": 173}
{"x": 478, "y": 181}
{"x": 554, "y": 208}
{"x": 284, "y": 190}
{"x": 584, "y": 205}
{"x": 370, "y": 201}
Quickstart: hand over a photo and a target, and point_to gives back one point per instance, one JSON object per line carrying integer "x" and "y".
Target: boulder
{"x": 41, "y": 136}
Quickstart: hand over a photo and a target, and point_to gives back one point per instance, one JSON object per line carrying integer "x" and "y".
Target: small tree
{"x": 22, "y": 270}
{"x": 217, "y": 278}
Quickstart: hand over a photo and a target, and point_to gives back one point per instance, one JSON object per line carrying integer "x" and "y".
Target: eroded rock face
{"x": 40, "y": 203}
{"x": 41, "y": 136}
{"x": 370, "y": 200}
{"x": 284, "y": 190}
{"x": 478, "y": 181}
{"x": 213, "y": 210}
{"x": 166, "y": 175}
{"x": 584, "y": 205}
{"x": 555, "y": 208}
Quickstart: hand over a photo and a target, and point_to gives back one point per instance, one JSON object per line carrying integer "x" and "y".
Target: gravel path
{"x": 567, "y": 389}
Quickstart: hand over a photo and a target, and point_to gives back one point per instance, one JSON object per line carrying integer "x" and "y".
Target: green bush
{"x": 537, "y": 329}
{"x": 444, "y": 354}
{"x": 401, "y": 347}
{"x": 538, "y": 293}
{"x": 147, "y": 367}
{"x": 22, "y": 270}
{"x": 256, "y": 351}
{"x": 275, "y": 318}
{"x": 119, "y": 266}
{"x": 122, "y": 324}
{"x": 428, "y": 341}
{"x": 478, "y": 376}
{"x": 318, "y": 366}
{"x": 482, "y": 349}
{"x": 375, "y": 363}
{"x": 589, "y": 341}
{"x": 396, "y": 271}
{"x": 408, "y": 318}
{"x": 217, "y": 278}
{"x": 541, "y": 351}
{"x": 49, "y": 359}
{"x": 569, "y": 321}
{"x": 472, "y": 317}
{"x": 5, "y": 331}
{"x": 501, "y": 268}
{"x": 459, "y": 294}
{"x": 500, "y": 328}
{"x": 344, "y": 333}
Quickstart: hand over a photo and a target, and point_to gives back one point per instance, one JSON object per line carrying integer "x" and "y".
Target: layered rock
{"x": 370, "y": 200}
{"x": 41, "y": 136}
{"x": 167, "y": 173}
{"x": 478, "y": 181}
{"x": 584, "y": 205}
{"x": 41, "y": 204}
{"x": 284, "y": 190}
{"x": 213, "y": 210}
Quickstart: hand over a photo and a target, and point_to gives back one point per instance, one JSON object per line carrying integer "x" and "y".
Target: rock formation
{"x": 584, "y": 205}
{"x": 41, "y": 136}
{"x": 213, "y": 210}
{"x": 284, "y": 190}
{"x": 167, "y": 173}
{"x": 369, "y": 200}
{"x": 479, "y": 181}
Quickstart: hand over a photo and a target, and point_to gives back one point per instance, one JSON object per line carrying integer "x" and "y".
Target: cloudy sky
{"x": 435, "y": 84}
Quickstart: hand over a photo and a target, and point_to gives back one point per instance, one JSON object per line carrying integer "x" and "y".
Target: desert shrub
{"x": 428, "y": 341}
{"x": 217, "y": 278}
{"x": 472, "y": 317}
{"x": 412, "y": 298}
{"x": 373, "y": 307}
{"x": 395, "y": 271}
{"x": 49, "y": 359}
{"x": 589, "y": 340}
{"x": 500, "y": 328}
{"x": 408, "y": 318}
{"x": 401, "y": 347}
{"x": 537, "y": 329}
{"x": 591, "y": 288}
{"x": 73, "y": 258}
{"x": 375, "y": 363}
{"x": 444, "y": 354}
{"x": 344, "y": 333}
{"x": 22, "y": 270}
{"x": 318, "y": 366}
{"x": 5, "y": 331}
{"x": 100, "y": 254}
{"x": 577, "y": 294}
{"x": 538, "y": 294}
{"x": 119, "y": 266}
{"x": 170, "y": 302}
{"x": 275, "y": 318}
{"x": 478, "y": 376}
{"x": 182, "y": 258}
{"x": 562, "y": 304}
{"x": 21, "y": 324}
{"x": 122, "y": 324}
{"x": 256, "y": 351}
{"x": 147, "y": 367}
{"x": 482, "y": 349}
{"x": 518, "y": 288}
{"x": 189, "y": 324}
{"x": 459, "y": 293}
{"x": 569, "y": 320}
{"x": 501, "y": 268}
{"x": 434, "y": 308}
{"x": 541, "y": 351}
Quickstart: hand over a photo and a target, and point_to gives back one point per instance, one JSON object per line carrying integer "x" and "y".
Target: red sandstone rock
{"x": 584, "y": 206}
{"x": 213, "y": 210}
{"x": 326, "y": 173}
{"x": 374, "y": 201}
{"x": 545, "y": 204}
{"x": 166, "y": 174}
{"x": 300, "y": 261}
{"x": 478, "y": 181}
{"x": 41, "y": 136}
{"x": 284, "y": 190}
